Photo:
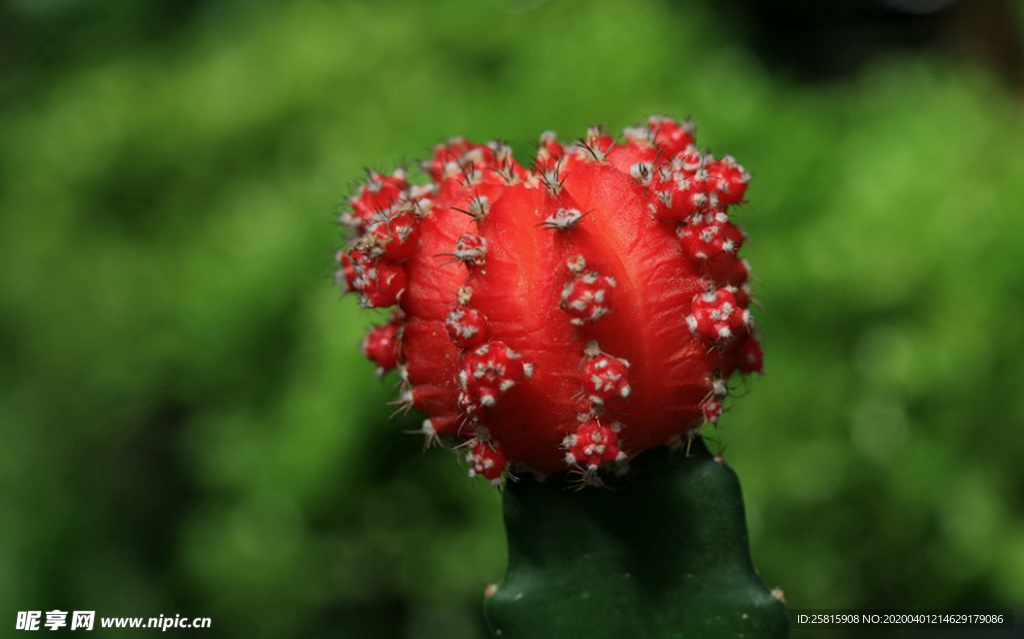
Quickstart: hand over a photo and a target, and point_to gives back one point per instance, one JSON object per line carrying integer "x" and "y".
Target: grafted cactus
{"x": 559, "y": 321}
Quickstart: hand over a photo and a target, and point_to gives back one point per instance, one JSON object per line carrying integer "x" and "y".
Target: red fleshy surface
{"x": 603, "y": 253}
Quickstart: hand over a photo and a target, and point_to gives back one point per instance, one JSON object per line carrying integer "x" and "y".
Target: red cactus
{"x": 566, "y": 316}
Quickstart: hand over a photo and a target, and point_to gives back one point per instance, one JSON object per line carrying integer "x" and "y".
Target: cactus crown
{"x": 565, "y": 316}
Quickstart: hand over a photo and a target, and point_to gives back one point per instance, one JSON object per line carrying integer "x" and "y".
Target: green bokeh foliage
{"x": 186, "y": 425}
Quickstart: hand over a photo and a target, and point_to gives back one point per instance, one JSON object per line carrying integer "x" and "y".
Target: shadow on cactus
{"x": 555, "y": 323}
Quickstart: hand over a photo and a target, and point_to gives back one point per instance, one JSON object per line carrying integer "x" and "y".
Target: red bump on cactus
{"x": 379, "y": 282}
{"x": 707, "y": 236}
{"x": 685, "y": 193}
{"x": 467, "y": 327}
{"x": 717, "y": 316}
{"x": 673, "y": 136}
{"x": 587, "y": 297}
{"x": 488, "y": 372}
{"x": 378, "y": 195}
{"x": 596, "y": 144}
{"x": 593, "y": 444}
{"x": 604, "y": 377}
{"x": 689, "y": 161}
{"x": 470, "y": 249}
{"x": 750, "y": 356}
{"x": 549, "y": 153}
{"x": 394, "y": 235}
{"x": 507, "y": 279}
{"x": 346, "y": 274}
{"x": 730, "y": 180}
{"x": 563, "y": 219}
{"x": 711, "y": 409}
{"x": 486, "y": 459}
{"x": 381, "y": 345}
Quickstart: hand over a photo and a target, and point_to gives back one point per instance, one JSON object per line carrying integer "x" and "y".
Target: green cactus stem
{"x": 661, "y": 553}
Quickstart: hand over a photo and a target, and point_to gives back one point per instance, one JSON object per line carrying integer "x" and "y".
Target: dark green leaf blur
{"x": 187, "y": 425}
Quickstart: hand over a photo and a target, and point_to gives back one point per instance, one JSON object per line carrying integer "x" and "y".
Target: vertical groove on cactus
{"x": 662, "y": 554}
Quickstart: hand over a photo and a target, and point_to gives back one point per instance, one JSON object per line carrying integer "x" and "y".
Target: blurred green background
{"x": 187, "y": 425}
